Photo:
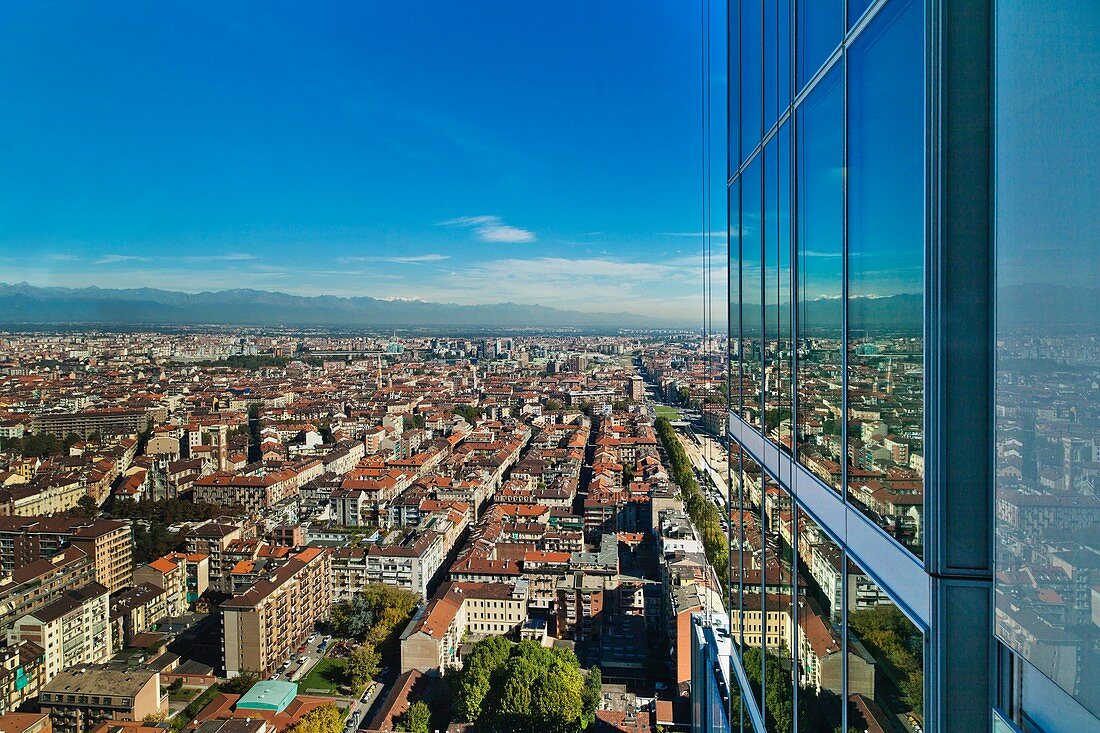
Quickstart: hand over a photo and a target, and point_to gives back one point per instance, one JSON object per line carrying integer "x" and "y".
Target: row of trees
{"x": 40, "y": 445}
{"x": 170, "y": 511}
{"x": 525, "y": 686}
{"x": 703, "y": 513}
{"x": 374, "y": 618}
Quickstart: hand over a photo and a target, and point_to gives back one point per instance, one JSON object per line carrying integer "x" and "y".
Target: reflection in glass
{"x": 1048, "y": 340}
{"x": 777, "y": 60}
{"x": 777, "y": 288}
{"x": 885, "y": 659}
{"x": 751, "y": 76}
{"x": 820, "y": 235}
{"x": 885, "y": 448}
{"x": 820, "y": 28}
{"x": 734, "y": 210}
{"x": 745, "y": 614}
{"x": 820, "y": 635}
{"x": 856, "y": 9}
{"x": 751, "y": 331}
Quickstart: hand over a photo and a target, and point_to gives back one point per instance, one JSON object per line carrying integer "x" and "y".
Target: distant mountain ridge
{"x": 23, "y": 303}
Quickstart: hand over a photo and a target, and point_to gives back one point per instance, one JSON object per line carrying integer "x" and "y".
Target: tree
{"x": 362, "y": 666}
{"x": 325, "y": 719}
{"x": 417, "y": 719}
{"x": 86, "y": 507}
{"x": 240, "y": 684}
{"x": 523, "y": 686}
{"x": 593, "y": 691}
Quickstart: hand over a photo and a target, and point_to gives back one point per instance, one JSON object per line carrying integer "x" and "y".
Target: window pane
{"x": 734, "y": 255}
{"x": 1048, "y": 341}
{"x": 886, "y": 271}
{"x": 856, "y": 9}
{"x": 750, "y": 292}
{"x": 820, "y": 640}
{"x": 751, "y": 75}
{"x": 733, "y": 92}
{"x": 885, "y": 659}
{"x": 745, "y": 629}
{"x": 777, "y": 288}
{"x": 820, "y": 235}
{"x": 777, "y": 60}
{"x": 820, "y": 28}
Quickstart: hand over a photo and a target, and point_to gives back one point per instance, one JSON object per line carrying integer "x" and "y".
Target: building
{"x": 274, "y": 705}
{"x": 80, "y": 699}
{"x": 42, "y": 582}
{"x": 882, "y": 400}
{"x": 265, "y": 624}
{"x": 460, "y": 612}
{"x": 72, "y": 630}
{"x": 108, "y": 421}
{"x": 412, "y": 564}
{"x": 183, "y": 577}
{"x": 107, "y": 542}
{"x": 22, "y": 674}
{"x": 25, "y": 723}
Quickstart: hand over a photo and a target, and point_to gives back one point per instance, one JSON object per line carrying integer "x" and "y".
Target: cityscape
{"x": 495, "y": 367}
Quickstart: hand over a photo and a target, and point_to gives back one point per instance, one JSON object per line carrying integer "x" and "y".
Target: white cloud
{"x": 113, "y": 259}
{"x": 492, "y": 229}
{"x": 406, "y": 260}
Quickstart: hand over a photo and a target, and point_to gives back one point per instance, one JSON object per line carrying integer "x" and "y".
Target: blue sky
{"x": 470, "y": 152}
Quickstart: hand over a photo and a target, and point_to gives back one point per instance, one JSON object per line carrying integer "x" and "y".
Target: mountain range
{"x": 1036, "y": 306}
{"x": 28, "y": 304}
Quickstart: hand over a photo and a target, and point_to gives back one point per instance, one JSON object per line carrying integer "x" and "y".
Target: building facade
{"x": 912, "y": 381}
{"x": 264, "y": 625}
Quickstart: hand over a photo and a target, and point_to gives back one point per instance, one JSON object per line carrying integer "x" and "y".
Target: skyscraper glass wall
{"x": 915, "y": 521}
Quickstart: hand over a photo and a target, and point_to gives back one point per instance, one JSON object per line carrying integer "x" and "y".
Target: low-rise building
{"x": 80, "y": 699}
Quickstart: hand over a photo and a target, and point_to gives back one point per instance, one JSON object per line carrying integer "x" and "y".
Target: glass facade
{"x": 915, "y": 365}
{"x": 1048, "y": 341}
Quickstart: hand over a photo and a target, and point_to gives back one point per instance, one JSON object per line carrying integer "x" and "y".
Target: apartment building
{"x": 105, "y": 422}
{"x": 213, "y": 540}
{"x": 182, "y": 577}
{"x": 22, "y": 674}
{"x": 461, "y": 612}
{"x": 411, "y": 564}
{"x": 42, "y": 582}
{"x": 108, "y": 543}
{"x": 265, "y": 624}
{"x": 73, "y": 630}
{"x": 135, "y": 611}
{"x": 82, "y": 698}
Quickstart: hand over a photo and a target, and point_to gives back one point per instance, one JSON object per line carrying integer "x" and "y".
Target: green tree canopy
{"x": 417, "y": 719}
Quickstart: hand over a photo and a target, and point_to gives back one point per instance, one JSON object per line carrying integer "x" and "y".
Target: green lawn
{"x": 666, "y": 411}
{"x": 327, "y": 674}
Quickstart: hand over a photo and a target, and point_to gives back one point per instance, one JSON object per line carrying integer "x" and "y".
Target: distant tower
{"x": 378, "y": 383}
{"x": 221, "y": 440}
{"x": 889, "y": 376}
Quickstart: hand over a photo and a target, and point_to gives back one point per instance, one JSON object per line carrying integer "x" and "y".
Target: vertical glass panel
{"x": 751, "y": 75}
{"x": 780, "y": 639}
{"x": 784, "y": 58}
{"x": 733, "y": 264}
{"x": 820, "y": 235}
{"x": 733, "y": 91}
{"x": 777, "y": 288}
{"x": 856, "y": 9}
{"x": 820, "y": 641}
{"x": 885, "y": 140}
{"x": 1048, "y": 340}
{"x": 885, "y": 660}
{"x": 751, "y": 331}
{"x": 820, "y": 29}
{"x": 771, "y": 62}
{"x": 745, "y": 617}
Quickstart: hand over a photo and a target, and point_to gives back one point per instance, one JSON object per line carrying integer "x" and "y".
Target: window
{"x": 820, "y": 26}
{"x": 885, "y": 143}
{"x": 1048, "y": 344}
